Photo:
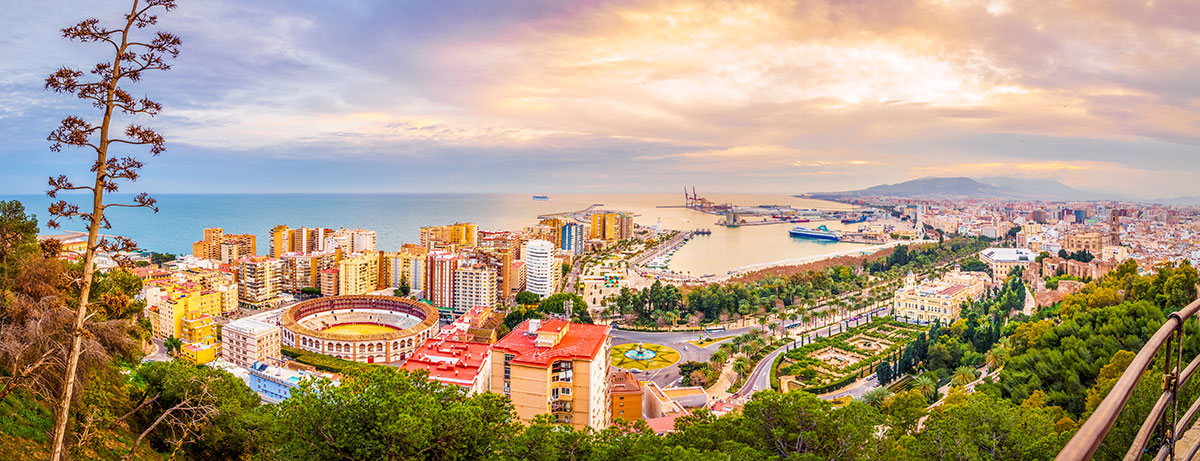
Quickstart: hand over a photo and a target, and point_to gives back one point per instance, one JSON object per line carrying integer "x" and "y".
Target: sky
{"x": 537, "y": 96}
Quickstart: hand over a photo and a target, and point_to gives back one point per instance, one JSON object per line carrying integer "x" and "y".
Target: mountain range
{"x": 984, "y": 187}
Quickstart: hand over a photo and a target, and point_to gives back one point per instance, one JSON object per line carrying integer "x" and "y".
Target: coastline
{"x": 870, "y": 249}
{"x": 751, "y": 269}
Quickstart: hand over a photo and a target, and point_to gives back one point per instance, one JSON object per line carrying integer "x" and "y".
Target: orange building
{"x": 626, "y": 394}
{"x": 557, "y": 368}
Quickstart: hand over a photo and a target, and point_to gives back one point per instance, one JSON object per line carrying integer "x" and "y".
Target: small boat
{"x": 853, "y": 219}
{"x": 820, "y": 233}
{"x": 799, "y": 220}
{"x": 541, "y": 198}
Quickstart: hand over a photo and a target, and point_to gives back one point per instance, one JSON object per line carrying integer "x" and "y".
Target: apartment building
{"x": 358, "y": 275}
{"x": 301, "y": 270}
{"x": 260, "y": 281}
{"x": 440, "y": 267}
{"x": 474, "y": 285}
{"x": 555, "y": 367}
{"x": 451, "y": 237}
{"x": 219, "y": 246}
{"x": 246, "y": 341}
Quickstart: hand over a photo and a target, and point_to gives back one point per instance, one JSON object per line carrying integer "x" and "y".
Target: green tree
{"x": 205, "y": 412}
{"x": 18, "y": 234}
{"x": 926, "y": 385}
{"x": 902, "y": 411}
{"x": 389, "y": 414}
{"x": 312, "y": 291}
{"x": 173, "y": 345}
{"x": 984, "y": 427}
{"x": 963, "y": 376}
{"x": 526, "y": 298}
{"x": 161, "y": 258}
{"x": 554, "y": 305}
{"x": 884, "y": 372}
{"x": 875, "y": 397}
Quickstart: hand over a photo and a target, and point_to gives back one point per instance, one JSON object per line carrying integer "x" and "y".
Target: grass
{"x": 709, "y": 341}
{"x": 25, "y": 417}
{"x": 664, "y": 357}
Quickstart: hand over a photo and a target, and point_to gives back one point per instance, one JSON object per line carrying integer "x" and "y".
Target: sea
{"x": 397, "y": 219}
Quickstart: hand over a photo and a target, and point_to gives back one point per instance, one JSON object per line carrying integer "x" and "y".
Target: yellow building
{"x": 407, "y": 265}
{"x": 455, "y": 235}
{"x": 1091, "y": 242}
{"x": 557, "y": 368}
{"x": 170, "y": 304}
{"x": 217, "y": 245}
{"x": 611, "y": 226}
{"x": 199, "y": 337}
{"x": 937, "y": 300}
{"x": 358, "y": 275}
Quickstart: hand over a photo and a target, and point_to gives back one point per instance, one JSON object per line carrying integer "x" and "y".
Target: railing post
{"x": 1168, "y": 378}
{"x": 1175, "y": 383}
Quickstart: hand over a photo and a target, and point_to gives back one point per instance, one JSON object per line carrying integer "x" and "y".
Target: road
{"x": 667, "y": 376}
{"x": 760, "y": 378}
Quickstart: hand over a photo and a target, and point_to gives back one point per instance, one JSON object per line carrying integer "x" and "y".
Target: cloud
{"x": 741, "y": 93}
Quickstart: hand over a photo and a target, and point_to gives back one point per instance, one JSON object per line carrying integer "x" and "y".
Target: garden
{"x": 828, "y": 364}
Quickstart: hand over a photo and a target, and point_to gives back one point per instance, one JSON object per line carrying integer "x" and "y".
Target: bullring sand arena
{"x": 372, "y": 329}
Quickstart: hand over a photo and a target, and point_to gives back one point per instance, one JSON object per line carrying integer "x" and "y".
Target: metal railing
{"x": 1164, "y": 419}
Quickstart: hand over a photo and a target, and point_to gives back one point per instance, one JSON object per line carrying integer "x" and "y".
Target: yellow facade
{"x": 181, "y": 302}
{"x": 199, "y": 337}
{"x": 937, "y": 300}
{"x": 611, "y": 226}
{"x": 219, "y": 246}
{"x": 281, "y": 240}
{"x": 454, "y": 235}
{"x": 358, "y": 275}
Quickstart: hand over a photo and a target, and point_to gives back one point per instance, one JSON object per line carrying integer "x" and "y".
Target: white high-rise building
{"x": 539, "y": 268}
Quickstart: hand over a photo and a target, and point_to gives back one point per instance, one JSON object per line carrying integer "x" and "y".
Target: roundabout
{"x": 643, "y": 356}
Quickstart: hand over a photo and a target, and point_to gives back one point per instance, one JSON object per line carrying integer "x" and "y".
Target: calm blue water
{"x": 397, "y": 219}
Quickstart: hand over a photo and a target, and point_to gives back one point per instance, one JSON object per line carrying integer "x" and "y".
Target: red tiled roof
{"x": 581, "y": 341}
{"x": 448, "y": 361}
{"x": 952, "y": 289}
{"x": 664, "y": 424}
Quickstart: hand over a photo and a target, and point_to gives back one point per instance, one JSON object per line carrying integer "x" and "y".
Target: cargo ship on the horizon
{"x": 541, "y": 198}
{"x": 820, "y": 233}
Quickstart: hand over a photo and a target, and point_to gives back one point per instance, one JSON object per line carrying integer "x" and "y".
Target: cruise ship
{"x": 820, "y": 233}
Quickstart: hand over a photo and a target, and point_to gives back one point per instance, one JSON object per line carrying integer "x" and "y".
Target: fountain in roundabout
{"x": 640, "y": 353}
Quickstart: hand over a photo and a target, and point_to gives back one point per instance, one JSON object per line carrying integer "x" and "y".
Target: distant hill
{"x": 988, "y": 187}
{"x": 1187, "y": 200}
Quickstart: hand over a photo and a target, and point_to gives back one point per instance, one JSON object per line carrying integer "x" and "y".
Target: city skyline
{"x": 785, "y": 97}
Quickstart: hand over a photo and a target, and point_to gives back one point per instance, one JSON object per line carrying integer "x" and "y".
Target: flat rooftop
{"x": 578, "y": 341}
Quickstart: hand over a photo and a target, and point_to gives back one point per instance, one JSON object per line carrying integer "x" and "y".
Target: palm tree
{"x": 741, "y": 366}
{"x": 926, "y": 385}
{"x": 996, "y": 358}
{"x": 875, "y": 397}
{"x": 962, "y": 376}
